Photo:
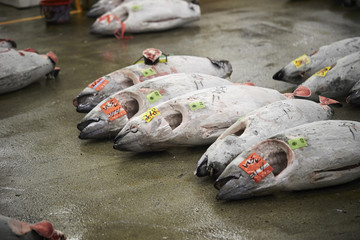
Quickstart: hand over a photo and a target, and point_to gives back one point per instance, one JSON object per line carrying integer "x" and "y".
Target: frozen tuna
{"x": 109, "y": 84}
{"x": 334, "y": 81}
{"x": 11, "y": 229}
{"x": 7, "y": 43}
{"x": 111, "y": 115}
{"x": 305, "y": 66}
{"x": 354, "y": 95}
{"x": 256, "y": 126}
{"x": 313, "y": 155}
{"x": 193, "y": 119}
{"x": 20, "y": 68}
{"x": 103, "y": 6}
{"x": 146, "y": 16}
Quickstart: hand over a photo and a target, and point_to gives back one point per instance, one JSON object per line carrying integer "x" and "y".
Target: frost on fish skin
{"x": 19, "y": 69}
{"x": 330, "y": 157}
{"x": 145, "y": 16}
{"x": 135, "y": 100}
{"x": 120, "y": 79}
{"x": 302, "y": 68}
{"x": 220, "y": 108}
{"x": 334, "y": 81}
{"x": 256, "y": 126}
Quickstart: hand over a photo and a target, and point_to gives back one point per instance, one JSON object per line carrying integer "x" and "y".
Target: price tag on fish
{"x": 148, "y": 72}
{"x": 323, "y": 72}
{"x": 98, "y": 84}
{"x": 154, "y": 96}
{"x": 297, "y": 143}
{"x": 301, "y": 61}
{"x": 113, "y": 109}
{"x": 256, "y": 167}
{"x": 150, "y": 114}
{"x": 197, "y": 105}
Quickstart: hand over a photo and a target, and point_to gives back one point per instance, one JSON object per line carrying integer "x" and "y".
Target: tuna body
{"x": 146, "y": 16}
{"x": 256, "y": 126}
{"x": 18, "y": 69}
{"x": 193, "y": 119}
{"x": 134, "y": 100}
{"x": 103, "y": 6}
{"x": 313, "y": 155}
{"x": 305, "y": 66}
{"x": 118, "y": 80}
{"x": 334, "y": 81}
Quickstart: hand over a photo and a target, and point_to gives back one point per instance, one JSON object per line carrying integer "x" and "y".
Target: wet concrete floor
{"x": 91, "y": 191}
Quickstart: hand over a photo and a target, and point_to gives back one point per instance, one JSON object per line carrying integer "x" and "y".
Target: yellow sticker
{"x": 322, "y": 72}
{"x": 150, "y": 114}
{"x": 241, "y": 118}
{"x": 301, "y": 61}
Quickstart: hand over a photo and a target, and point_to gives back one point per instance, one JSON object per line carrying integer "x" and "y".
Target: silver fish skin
{"x": 146, "y": 16}
{"x": 298, "y": 71}
{"x": 7, "y": 43}
{"x": 19, "y": 69}
{"x": 354, "y": 95}
{"x": 332, "y": 81}
{"x": 140, "y": 97}
{"x": 331, "y": 157}
{"x": 12, "y": 229}
{"x": 256, "y": 126}
{"x": 193, "y": 119}
{"x": 103, "y": 6}
{"x": 118, "y": 80}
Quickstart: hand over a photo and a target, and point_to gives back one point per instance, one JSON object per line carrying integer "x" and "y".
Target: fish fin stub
{"x": 324, "y": 101}
{"x": 302, "y": 91}
{"x": 224, "y": 64}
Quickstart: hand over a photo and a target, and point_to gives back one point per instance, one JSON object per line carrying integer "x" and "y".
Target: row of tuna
{"x": 20, "y": 68}
{"x": 134, "y": 16}
{"x": 192, "y": 108}
{"x": 333, "y": 71}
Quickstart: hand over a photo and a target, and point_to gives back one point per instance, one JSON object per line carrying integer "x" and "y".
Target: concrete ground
{"x": 91, "y": 191}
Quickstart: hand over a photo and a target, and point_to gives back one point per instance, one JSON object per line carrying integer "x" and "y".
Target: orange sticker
{"x": 98, "y": 84}
{"x": 256, "y": 167}
{"x": 301, "y": 61}
{"x": 113, "y": 109}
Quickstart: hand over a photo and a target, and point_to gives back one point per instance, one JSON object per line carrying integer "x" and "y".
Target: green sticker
{"x": 135, "y": 8}
{"x": 148, "y": 72}
{"x": 197, "y": 105}
{"x": 297, "y": 143}
{"x": 154, "y": 96}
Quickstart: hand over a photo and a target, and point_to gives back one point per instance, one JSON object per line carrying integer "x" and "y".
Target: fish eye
{"x": 133, "y": 128}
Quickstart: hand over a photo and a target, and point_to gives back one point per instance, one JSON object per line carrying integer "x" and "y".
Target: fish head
{"x": 102, "y": 88}
{"x": 110, "y": 116}
{"x": 238, "y": 180}
{"x": 109, "y": 22}
{"x": 151, "y": 130}
{"x": 87, "y": 100}
{"x": 354, "y": 98}
{"x": 97, "y": 125}
{"x": 296, "y": 71}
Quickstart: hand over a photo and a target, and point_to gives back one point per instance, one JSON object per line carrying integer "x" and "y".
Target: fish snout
{"x": 201, "y": 169}
{"x": 221, "y": 181}
{"x": 279, "y": 75}
{"x": 85, "y": 102}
